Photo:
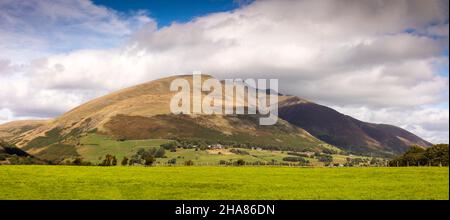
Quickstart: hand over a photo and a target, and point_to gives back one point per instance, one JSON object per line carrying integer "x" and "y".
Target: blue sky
{"x": 168, "y": 11}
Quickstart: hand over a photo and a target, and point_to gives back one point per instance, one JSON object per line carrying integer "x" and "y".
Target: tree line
{"x": 436, "y": 155}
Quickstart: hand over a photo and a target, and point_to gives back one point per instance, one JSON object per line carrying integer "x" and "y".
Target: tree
{"x": 78, "y": 161}
{"x": 107, "y": 161}
{"x": 149, "y": 160}
{"x": 159, "y": 153}
{"x": 325, "y": 158}
{"x": 114, "y": 161}
{"x": 169, "y": 146}
{"x": 189, "y": 163}
{"x": 374, "y": 161}
{"x": 124, "y": 161}
{"x": 135, "y": 159}
{"x": 172, "y": 161}
{"x": 438, "y": 155}
{"x": 328, "y": 151}
{"x": 413, "y": 157}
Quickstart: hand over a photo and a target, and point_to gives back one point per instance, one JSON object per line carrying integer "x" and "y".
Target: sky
{"x": 378, "y": 61}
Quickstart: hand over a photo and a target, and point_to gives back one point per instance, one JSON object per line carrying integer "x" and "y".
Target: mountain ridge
{"x": 347, "y": 132}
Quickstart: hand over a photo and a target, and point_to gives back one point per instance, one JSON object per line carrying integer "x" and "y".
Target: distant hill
{"x": 346, "y": 132}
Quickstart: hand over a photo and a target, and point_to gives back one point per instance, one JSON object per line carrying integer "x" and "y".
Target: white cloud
{"x": 350, "y": 54}
{"x": 33, "y": 29}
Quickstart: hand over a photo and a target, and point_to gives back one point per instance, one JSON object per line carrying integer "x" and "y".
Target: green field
{"x": 93, "y": 147}
{"x": 208, "y": 182}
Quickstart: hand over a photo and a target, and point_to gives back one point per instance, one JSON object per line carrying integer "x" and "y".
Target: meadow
{"x": 214, "y": 182}
{"x": 94, "y": 147}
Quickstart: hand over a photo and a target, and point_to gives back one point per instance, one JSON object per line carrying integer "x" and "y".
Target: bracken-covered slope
{"x": 346, "y": 132}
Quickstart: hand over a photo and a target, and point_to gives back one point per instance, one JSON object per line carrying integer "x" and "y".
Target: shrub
{"x": 78, "y": 161}
{"x": 124, "y": 161}
{"x": 109, "y": 160}
{"x": 172, "y": 161}
{"x": 114, "y": 161}
{"x": 169, "y": 146}
{"x": 329, "y": 151}
{"x": 240, "y": 162}
{"x": 325, "y": 158}
{"x": 189, "y": 163}
{"x": 298, "y": 154}
{"x": 160, "y": 153}
{"x": 301, "y": 160}
{"x": 239, "y": 151}
{"x": 149, "y": 160}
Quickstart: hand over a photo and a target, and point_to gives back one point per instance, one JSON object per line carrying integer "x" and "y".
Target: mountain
{"x": 142, "y": 112}
{"x": 346, "y": 132}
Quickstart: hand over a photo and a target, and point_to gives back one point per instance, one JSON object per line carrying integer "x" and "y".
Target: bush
{"x": 172, "y": 161}
{"x": 239, "y": 151}
{"x": 135, "y": 159}
{"x": 109, "y": 160}
{"x": 124, "y": 161}
{"x": 189, "y": 163}
{"x": 148, "y": 156}
{"x": 149, "y": 160}
{"x": 300, "y": 160}
{"x": 160, "y": 153}
{"x": 329, "y": 151}
{"x": 240, "y": 162}
{"x": 298, "y": 154}
{"x": 114, "y": 161}
{"x": 325, "y": 158}
{"x": 295, "y": 159}
{"x": 169, "y": 146}
{"x": 78, "y": 161}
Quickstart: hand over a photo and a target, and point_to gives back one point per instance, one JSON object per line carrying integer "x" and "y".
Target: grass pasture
{"x": 94, "y": 146}
{"x": 209, "y": 182}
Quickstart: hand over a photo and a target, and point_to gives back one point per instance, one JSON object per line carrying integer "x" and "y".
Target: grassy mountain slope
{"x": 142, "y": 112}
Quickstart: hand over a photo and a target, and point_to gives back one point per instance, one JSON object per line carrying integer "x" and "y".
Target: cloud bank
{"x": 379, "y": 61}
